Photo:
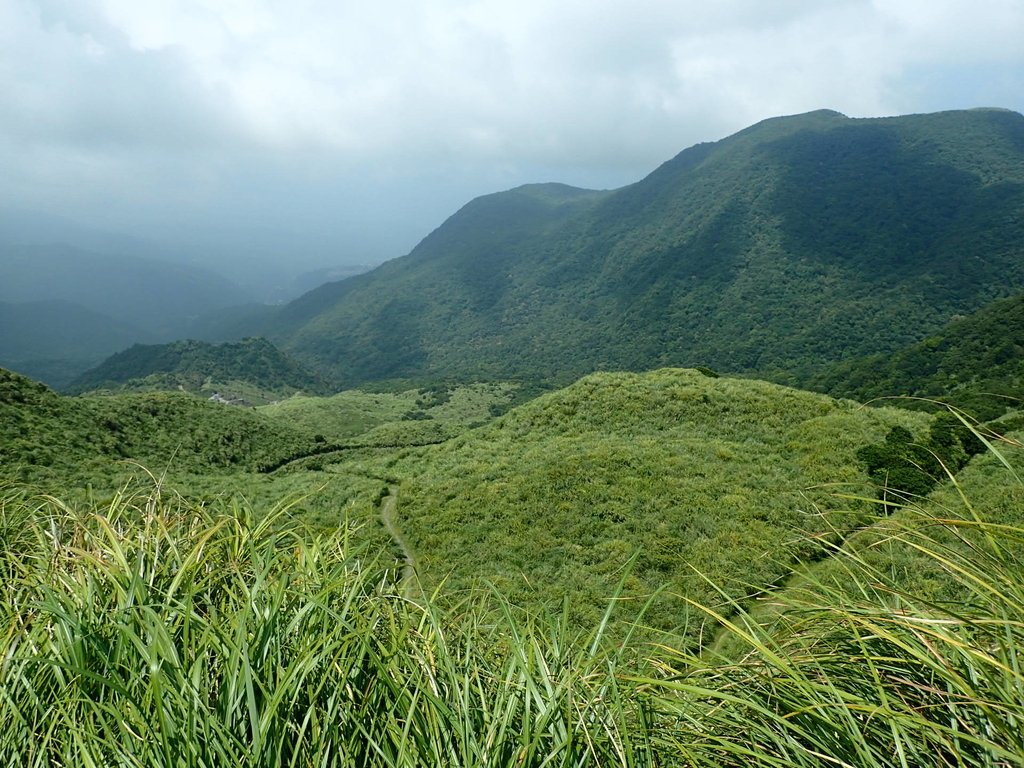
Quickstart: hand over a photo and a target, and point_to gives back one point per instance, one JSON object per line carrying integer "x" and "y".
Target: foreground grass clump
{"x": 150, "y": 631}
{"x": 905, "y": 648}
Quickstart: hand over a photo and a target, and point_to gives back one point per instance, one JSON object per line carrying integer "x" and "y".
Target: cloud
{"x": 186, "y": 106}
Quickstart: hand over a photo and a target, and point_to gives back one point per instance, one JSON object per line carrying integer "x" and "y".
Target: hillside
{"x": 252, "y": 367}
{"x": 45, "y": 435}
{"x": 700, "y": 477}
{"x": 778, "y": 251}
{"x": 52, "y": 339}
{"x": 975, "y": 362}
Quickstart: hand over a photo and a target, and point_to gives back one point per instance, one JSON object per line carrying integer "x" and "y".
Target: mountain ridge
{"x": 775, "y": 251}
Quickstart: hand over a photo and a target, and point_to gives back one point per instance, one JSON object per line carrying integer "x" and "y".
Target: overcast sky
{"x": 345, "y": 131}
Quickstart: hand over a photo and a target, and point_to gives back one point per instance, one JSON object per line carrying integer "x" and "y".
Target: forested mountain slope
{"x": 975, "y": 362}
{"x": 793, "y": 244}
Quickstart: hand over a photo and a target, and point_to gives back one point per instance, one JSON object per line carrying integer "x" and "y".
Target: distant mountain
{"x": 975, "y": 362}
{"x": 31, "y": 227}
{"x": 56, "y": 329}
{"x": 65, "y": 308}
{"x": 780, "y": 250}
{"x": 234, "y": 370}
{"x": 158, "y": 297}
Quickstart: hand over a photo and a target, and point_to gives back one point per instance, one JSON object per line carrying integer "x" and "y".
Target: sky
{"x": 319, "y": 132}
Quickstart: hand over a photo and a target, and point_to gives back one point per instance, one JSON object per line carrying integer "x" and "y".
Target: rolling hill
{"x": 249, "y": 368}
{"x": 708, "y": 481}
{"x": 778, "y": 251}
{"x": 43, "y": 434}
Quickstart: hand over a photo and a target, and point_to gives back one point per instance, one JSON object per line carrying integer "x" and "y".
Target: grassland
{"x": 355, "y": 412}
{"x": 699, "y": 478}
{"x": 640, "y": 570}
{"x": 149, "y": 630}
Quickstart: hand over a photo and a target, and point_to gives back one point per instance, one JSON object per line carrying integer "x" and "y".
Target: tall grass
{"x": 150, "y": 631}
{"x": 857, "y": 668}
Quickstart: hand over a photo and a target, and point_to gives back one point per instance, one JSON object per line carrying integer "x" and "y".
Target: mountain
{"x": 52, "y": 339}
{"x": 231, "y": 369}
{"x": 778, "y": 251}
{"x": 975, "y": 362}
{"x": 65, "y": 308}
{"x": 156, "y": 296}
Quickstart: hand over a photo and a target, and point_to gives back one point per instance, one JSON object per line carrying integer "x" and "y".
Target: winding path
{"x": 388, "y": 506}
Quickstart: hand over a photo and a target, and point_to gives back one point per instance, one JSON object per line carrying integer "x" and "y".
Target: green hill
{"x": 975, "y": 362}
{"x": 705, "y": 478}
{"x": 253, "y": 369}
{"x": 43, "y": 434}
{"x": 778, "y": 251}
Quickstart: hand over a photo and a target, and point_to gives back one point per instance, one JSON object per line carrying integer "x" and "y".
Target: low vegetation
{"x": 665, "y": 569}
{"x": 673, "y": 568}
{"x": 148, "y": 630}
{"x": 705, "y": 478}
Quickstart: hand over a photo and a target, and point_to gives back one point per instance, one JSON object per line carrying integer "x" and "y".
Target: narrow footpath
{"x": 388, "y": 506}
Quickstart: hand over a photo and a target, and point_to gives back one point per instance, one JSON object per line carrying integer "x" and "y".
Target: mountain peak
{"x": 798, "y": 241}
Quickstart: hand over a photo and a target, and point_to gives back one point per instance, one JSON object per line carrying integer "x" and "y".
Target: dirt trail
{"x": 388, "y": 506}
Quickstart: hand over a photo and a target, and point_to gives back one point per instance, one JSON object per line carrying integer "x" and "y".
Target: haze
{"x": 287, "y": 136}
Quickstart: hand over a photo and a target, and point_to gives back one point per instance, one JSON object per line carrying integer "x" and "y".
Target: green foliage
{"x": 44, "y": 434}
{"x": 901, "y": 465}
{"x": 974, "y": 362}
{"x": 155, "y": 632}
{"x": 779, "y": 251}
{"x": 375, "y": 417}
{"x": 902, "y": 647}
{"x": 149, "y": 630}
{"x": 252, "y": 367}
{"x": 700, "y": 475}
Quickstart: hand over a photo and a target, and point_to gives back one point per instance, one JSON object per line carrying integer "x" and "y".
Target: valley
{"x": 719, "y": 468}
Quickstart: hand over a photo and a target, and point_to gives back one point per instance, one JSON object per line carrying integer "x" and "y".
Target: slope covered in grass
{"x": 149, "y": 631}
{"x": 441, "y": 411}
{"x": 43, "y": 433}
{"x": 704, "y": 478}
